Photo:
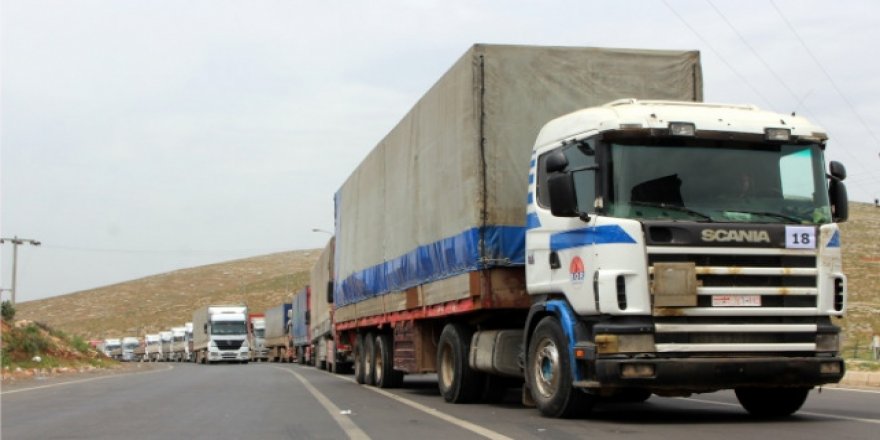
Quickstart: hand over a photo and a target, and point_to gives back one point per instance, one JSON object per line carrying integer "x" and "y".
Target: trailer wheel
{"x": 386, "y": 375}
{"x": 772, "y": 402}
{"x": 458, "y": 382}
{"x": 370, "y": 359}
{"x": 359, "y": 375}
{"x": 549, "y": 373}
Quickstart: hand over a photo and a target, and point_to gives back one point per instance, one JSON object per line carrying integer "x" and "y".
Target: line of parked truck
{"x": 576, "y": 222}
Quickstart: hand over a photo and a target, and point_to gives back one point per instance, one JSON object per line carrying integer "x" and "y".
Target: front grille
{"x": 228, "y": 345}
{"x": 788, "y": 281}
{"x": 785, "y": 283}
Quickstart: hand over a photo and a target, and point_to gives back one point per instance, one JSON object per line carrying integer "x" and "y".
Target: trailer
{"x": 277, "y": 340}
{"x": 330, "y": 352}
{"x": 299, "y": 323}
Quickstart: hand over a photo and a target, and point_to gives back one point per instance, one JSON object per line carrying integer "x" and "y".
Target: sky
{"x": 140, "y": 137}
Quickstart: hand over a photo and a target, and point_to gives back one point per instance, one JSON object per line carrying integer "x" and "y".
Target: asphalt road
{"x": 277, "y": 401}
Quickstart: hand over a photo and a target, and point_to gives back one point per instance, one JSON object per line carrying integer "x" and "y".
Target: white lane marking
{"x": 51, "y": 385}
{"x": 855, "y": 390}
{"x": 345, "y": 423}
{"x": 476, "y": 429}
{"x": 805, "y": 413}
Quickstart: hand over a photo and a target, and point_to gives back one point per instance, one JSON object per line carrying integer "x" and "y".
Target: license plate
{"x": 736, "y": 301}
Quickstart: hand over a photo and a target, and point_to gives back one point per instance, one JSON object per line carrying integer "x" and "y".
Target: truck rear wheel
{"x": 359, "y": 376}
{"x": 386, "y": 375}
{"x": 772, "y": 402}
{"x": 370, "y": 359}
{"x": 549, "y": 373}
{"x": 458, "y": 382}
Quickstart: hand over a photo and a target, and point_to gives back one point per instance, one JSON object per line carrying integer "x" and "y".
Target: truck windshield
{"x": 130, "y": 346}
{"x": 228, "y": 328}
{"x": 718, "y": 181}
{"x": 258, "y": 332}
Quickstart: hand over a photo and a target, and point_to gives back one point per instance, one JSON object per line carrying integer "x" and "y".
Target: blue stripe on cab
{"x": 532, "y": 221}
{"x": 531, "y": 178}
{"x": 835, "y": 240}
{"x": 609, "y": 234}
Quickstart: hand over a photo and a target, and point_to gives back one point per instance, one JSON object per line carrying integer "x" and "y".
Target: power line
{"x": 825, "y": 72}
{"x": 834, "y": 86}
{"x": 718, "y": 54}
{"x": 799, "y": 101}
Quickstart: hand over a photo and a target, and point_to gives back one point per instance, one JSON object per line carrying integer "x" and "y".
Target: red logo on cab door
{"x": 576, "y": 269}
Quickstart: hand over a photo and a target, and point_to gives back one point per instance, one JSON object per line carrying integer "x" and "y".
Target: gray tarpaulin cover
{"x": 444, "y": 192}
{"x": 321, "y": 275}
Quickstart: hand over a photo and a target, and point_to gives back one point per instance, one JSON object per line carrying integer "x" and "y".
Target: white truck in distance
{"x": 188, "y": 342}
{"x": 257, "y": 337}
{"x": 166, "y": 337}
{"x": 129, "y": 346}
{"x": 113, "y": 348}
{"x": 220, "y": 334}
{"x": 153, "y": 352}
{"x": 178, "y": 344}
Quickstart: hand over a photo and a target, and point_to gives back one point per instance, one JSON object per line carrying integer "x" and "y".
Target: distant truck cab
{"x": 220, "y": 334}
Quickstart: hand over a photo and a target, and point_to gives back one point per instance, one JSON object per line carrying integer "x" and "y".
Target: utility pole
{"x": 15, "y": 242}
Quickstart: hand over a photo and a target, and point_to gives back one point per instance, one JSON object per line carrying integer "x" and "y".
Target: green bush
{"x": 29, "y": 341}
{"x": 8, "y": 311}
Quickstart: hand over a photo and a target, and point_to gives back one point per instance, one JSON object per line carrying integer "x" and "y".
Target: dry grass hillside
{"x": 158, "y": 302}
{"x": 861, "y": 263}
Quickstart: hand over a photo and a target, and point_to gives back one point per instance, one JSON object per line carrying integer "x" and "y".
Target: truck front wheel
{"x": 772, "y": 402}
{"x": 549, "y": 373}
{"x": 458, "y": 382}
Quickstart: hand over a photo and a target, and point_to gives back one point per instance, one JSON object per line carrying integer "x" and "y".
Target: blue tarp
{"x": 503, "y": 246}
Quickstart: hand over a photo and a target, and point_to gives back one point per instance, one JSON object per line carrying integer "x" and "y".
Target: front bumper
{"x": 709, "y": 374}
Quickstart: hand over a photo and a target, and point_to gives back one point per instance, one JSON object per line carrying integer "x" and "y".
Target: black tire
{"x": 458, "y": 383}
{"x": 359, "y": 375}
{"x": 548, "y": 371}
{"x": 386, "y": 375}
{"x": 370, "y": 359}
{"x": 772, "y": 402}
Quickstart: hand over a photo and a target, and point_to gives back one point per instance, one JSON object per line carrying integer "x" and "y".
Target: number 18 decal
{"x": 800, "y": 237}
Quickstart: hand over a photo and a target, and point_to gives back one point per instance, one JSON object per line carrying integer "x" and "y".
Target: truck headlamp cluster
{"x": 682, "y": 129}
{"x": 777, "y": 134}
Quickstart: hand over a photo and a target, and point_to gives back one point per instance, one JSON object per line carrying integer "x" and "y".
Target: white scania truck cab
{"x": 676, "y": 248}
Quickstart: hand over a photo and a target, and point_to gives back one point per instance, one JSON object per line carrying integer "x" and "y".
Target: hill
{"x": 158, "y": 302}
{"x": 861, "y": 263}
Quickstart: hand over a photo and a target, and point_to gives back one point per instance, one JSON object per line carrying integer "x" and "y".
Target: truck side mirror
{"x": 563, "y": 201}
{"x": 329, "y": 292}
{"x": 837, "y": 170}
{"x": 839, "y": 200}
{"x": 555, "y": 162}
{"x": 206, "y": 327}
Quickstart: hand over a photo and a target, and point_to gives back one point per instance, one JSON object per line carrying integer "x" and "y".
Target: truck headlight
{"x": 610, "y": 343}
{"x": 827, "y": 342}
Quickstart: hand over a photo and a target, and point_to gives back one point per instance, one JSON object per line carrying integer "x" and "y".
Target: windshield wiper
{"x": 768, "y": 214}
{"x": 673, "y": 208}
